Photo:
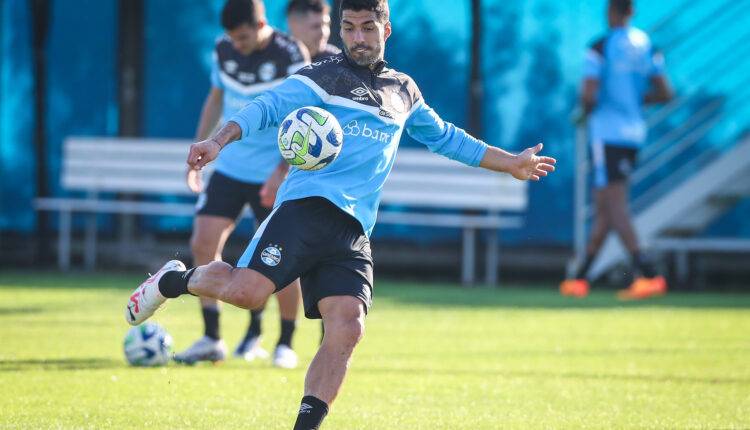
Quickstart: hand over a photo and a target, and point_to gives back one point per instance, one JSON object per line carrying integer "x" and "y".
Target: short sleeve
{"x": 215, "y": 72}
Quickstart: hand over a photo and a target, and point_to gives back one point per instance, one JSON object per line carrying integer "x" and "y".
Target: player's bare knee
{"x": 202, "y": 247}
{"x": 346, "y": 331}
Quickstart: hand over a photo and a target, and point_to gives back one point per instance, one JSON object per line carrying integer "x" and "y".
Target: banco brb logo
{"x": 360, "y": 129}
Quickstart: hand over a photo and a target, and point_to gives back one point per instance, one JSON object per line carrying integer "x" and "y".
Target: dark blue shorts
{"x": 312, "y": 239}
{"x": 612, "y": 162}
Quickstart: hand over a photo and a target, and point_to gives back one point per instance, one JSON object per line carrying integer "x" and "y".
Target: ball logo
{"x": 271, "y": 256}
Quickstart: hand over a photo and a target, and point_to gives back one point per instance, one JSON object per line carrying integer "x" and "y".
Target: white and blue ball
{"x": 310, "y": 138}
{"x": 148, "y": 345}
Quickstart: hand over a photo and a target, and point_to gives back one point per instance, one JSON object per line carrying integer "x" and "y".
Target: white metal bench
{"x": 134, "y": 167}
{"x": 479, "y": 199}
{"x": 420, "y": 181}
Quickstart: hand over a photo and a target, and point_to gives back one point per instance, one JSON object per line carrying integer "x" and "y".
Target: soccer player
{"x": 320, "y": 226}
{"x": 309, "y": 22}
{"x": 623, "y": 72}
{"x": 250, "y": 58}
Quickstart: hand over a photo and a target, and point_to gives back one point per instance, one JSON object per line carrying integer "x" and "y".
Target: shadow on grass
{"x": 549, "y": 375}
{"x": 545, "y": 297}
{"x": 59, "y": 364}
{"x": 20, "y": 311}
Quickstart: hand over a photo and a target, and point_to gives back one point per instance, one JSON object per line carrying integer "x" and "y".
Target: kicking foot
{"x": 204, "y": 349}
{"x": 284, "y": 357}
{"x": 249, "y": 349}
{"x": 146, "y": 299}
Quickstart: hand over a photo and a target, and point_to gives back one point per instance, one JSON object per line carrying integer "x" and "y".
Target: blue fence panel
{"x": 17, "y": 162}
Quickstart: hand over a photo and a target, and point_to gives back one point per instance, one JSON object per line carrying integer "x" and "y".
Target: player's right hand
{"x": 195, "y": 181}
{"x": 201, "y": 153}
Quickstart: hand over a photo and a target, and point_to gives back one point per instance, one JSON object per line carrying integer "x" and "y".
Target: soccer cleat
{"x": 204, "y": 349}
{"x": 574, "y": 288}
{"x": 146, "y": 299}
{"x": 643, "y": 288}
{"x": 284, "y": 357}
{"x": 249, "y": 349}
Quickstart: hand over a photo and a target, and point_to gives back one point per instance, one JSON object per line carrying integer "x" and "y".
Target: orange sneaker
{"x": 574, "y": 287}
{"x": 643, "y": 288}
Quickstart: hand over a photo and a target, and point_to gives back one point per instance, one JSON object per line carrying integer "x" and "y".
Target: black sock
{"x": 255, "y": 328}
{"x": 287, "y": 331}
{"x": 211, "y": 322}
{"x": 175, "y": 283}
{"x": 643, "y": 265}
{"x": 583, "y": 269}
{"x": 312, "y": 411}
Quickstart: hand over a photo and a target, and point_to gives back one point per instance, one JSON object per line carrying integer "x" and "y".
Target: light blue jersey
{"x": 623, "y": 62}
{"x": 242, "y": 78}
{"x": 373, "y": 107}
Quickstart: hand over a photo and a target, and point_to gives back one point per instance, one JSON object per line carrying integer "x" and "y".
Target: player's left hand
{"x": 201, "y": 153}
{"x": 530, "y": 166}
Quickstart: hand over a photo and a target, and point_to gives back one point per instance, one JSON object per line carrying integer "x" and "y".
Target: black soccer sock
{"x": 255, "y": 328}
{"x": 175, "y": 283}
{"x": 583, "y": 269}
{"x": 211, "y": 322}
{"x": 287, "y": 331}
{"x": 643, "y": 265}
{"x": 312, "y": 411}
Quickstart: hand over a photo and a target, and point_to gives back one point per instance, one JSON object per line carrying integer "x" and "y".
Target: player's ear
{"x": 387, "y": 30}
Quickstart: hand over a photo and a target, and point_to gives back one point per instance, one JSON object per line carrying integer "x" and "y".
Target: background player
{"x": 321, "y": 223}
{"x": 250, "y": 58}
{"x": 620, "y": 68}
{"x": 309, "y": 21}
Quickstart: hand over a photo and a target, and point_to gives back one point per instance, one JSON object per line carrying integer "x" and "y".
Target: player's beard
{"x": 368, "y": 57}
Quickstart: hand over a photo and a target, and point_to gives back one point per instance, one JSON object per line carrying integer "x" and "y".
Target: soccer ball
{"x": 310, "y": 138}
{"x": 148, "y": 345}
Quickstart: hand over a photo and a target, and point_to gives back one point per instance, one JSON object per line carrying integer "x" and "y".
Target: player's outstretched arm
{"x": 524, "y": 166}
{"x": 203, "y": 152}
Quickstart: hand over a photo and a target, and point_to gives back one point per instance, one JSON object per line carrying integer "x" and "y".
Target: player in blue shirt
{"x": 622, "y": 72}
{"x": 320, "y": 226}
{"x": 249, "y": 59}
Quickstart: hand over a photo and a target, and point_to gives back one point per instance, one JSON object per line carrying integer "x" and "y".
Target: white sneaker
{"x": 204, "y": 349}
{"x": 146, "y": 299}
{"x": 249, "y": 349}
{"x": 284, "y": 357}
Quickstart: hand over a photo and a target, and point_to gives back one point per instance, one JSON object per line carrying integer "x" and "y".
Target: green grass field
{"x": 434, "y": 357}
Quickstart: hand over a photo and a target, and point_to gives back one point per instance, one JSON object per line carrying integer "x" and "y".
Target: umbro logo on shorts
{"x": 271, "y": 256}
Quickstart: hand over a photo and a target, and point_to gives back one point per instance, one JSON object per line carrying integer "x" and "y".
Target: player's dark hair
{"x": 623, "y": 7}
{"x": 239, "y": 12}
{"x": 380, "y": 7}
{"x": 305, "y": 6}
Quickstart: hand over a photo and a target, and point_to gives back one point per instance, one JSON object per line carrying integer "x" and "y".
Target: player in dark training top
{"x": 250, "y": 58}
{"x": 309, "y": 22}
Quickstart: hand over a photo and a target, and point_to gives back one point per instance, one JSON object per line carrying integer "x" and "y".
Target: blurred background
{"x": 509, "y": 71}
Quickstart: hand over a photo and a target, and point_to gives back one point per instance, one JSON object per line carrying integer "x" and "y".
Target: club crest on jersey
{"x": 271, "y": 256}
{"x": 397, "y": 102}
{"x": 267, "y": 71}
{"x": 230, "y": 66}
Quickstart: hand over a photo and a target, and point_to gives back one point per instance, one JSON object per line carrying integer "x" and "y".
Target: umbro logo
{"x": 305, "y": 409}
{"x": 360, "y": 91}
